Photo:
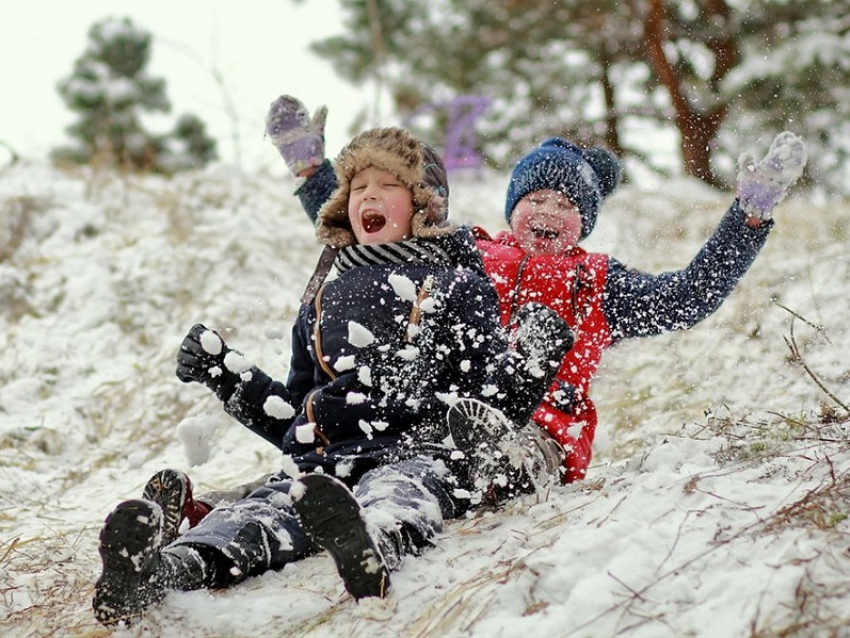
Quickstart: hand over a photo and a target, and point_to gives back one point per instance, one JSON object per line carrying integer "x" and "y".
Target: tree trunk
{"x": 697, "y": 128}
{"x": 612, "y": 121}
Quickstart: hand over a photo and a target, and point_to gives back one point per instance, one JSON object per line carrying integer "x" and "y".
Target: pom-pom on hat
{"x": 584, "y": 176}
{"x": 399, "y": 152}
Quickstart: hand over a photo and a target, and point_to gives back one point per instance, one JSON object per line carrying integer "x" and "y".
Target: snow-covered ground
{"x": 717, "y": 504}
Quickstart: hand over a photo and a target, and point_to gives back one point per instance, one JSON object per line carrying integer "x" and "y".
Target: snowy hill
{"x": 717, "y": 504}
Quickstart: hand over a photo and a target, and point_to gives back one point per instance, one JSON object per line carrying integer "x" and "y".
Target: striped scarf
{"x": 411, "y": 251}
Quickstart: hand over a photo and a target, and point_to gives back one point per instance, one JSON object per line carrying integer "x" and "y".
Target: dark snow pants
{"x": 261, "y": 532}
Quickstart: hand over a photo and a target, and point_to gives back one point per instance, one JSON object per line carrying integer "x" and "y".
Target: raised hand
{"x": 762, "y": 185}
{"x": 299, "y": 139}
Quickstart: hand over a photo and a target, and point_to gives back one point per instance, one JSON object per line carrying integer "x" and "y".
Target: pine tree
{"x": 110, "y": 90}
{"x": 796, "y": 74}
{"x": 562, "y": 67}
{"x": 187, "y": 147}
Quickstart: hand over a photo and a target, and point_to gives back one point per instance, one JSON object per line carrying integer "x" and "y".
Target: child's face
{"x": 545, "y": 222}
{"x": 380, "y": 207}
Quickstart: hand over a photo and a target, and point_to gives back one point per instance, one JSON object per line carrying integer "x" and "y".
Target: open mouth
{"x": 545, "y": 233}
{"x": 373, "y": 221}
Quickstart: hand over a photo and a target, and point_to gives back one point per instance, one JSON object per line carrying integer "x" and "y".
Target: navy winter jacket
{"x": 377, "y": 352}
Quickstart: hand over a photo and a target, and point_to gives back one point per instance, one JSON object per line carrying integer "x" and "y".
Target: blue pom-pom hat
{"x": 584, "y": 176}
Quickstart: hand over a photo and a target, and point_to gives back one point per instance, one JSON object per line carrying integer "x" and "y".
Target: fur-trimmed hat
{"x": 585, "y": 176}
{"x": 399, "y": 152}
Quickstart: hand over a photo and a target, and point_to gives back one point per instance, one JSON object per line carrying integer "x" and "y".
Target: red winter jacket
{"x": 573, "y": 285}
{"x": 605, "y": 301}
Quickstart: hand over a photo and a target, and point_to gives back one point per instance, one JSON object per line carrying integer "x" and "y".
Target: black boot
{"x": 497, "y": 452}
{"x": 331, "y": 517}
{"x": 131, "y": 581}
{"x": 137, "y": 572}
{"x": 172, "y": 491}
{"x": 397, "y": 543}
{"x": 544, "y": 465}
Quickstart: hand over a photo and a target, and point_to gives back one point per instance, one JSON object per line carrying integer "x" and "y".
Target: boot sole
{"x": 331, "y": 517}
{"x": 129, "y": 538}
{"x": 168, "y": 489}
{"x": 495, "y": 456}
{"x": 481, "y": 434}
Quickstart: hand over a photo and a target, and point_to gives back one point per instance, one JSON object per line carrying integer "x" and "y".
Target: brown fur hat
{"x": 399, "y": 152}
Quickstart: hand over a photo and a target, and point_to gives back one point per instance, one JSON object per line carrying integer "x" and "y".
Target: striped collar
{"x": 411, "y": 251}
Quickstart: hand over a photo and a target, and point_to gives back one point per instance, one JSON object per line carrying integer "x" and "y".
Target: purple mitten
{"x": 762, "y": 185}
{"x": 299, "y": 139}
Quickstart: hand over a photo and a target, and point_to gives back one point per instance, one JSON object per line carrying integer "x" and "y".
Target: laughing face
{"x": 545, "y": 222}
{"x": 380, "y": 207}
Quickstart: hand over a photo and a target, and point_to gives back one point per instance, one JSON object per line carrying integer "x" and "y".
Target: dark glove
{"x": 202, "y": 359}
{"x": 299, "y": 139}
{"x": 543, "y": 338}
{"x": 540, "y": 342}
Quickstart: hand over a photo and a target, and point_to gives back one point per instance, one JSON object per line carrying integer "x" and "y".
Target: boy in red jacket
{"x": 552, "y": 203}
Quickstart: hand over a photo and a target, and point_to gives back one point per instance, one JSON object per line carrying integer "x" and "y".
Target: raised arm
{"x": 300, "y": 140}
{"x": 638, "y": 304}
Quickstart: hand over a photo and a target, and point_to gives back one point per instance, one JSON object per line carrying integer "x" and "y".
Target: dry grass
{"x": 46, "y": 573}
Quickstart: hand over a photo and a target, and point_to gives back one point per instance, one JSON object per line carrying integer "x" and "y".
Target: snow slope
{"x": 717, "y": 504}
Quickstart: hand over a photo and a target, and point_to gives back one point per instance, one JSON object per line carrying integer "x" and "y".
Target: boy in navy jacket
{"x": 409, "y": 327}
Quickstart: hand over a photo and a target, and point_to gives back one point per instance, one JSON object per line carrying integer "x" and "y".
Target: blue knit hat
{"x": 584, "y": 176}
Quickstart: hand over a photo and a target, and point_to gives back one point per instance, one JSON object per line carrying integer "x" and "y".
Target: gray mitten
{"x": 299, "y": 139}
{"x": 762, "y": 185}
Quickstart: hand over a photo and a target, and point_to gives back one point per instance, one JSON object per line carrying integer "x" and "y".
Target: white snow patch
{"x": 289, "y": 467}
{"x": 211, "y": 342}
{"x": 407, "y": 353}
{"x": 305, "y": 433}
{"x": 359, "y": 335}
{"x": 236, "y": 362}
{"x": 355, "y": 398}
{"x": 276, "y": 407}
{"x": 345, "y": 363}
{"x": 403, "y": 286}
{"x": 196, "y": 433}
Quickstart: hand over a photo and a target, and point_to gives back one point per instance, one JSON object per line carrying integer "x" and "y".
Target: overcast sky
{"x": 260, "y": 47}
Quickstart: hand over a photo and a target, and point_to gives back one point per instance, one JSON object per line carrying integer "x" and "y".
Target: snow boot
{"x": 130, "y": 543}
{"x": 499, "y": 457}
{"x": 172, "y": 491}
{"x": 544, "y": 465}
{"x": 393, "y": 545}
{"x": 332, "y": 518}
{"x": 137, "y": 574}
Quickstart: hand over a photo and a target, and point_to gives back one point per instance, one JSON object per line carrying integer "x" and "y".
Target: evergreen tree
{"x": 187, "y": 147}
{"x": 562, "y": 67}
{"x": 796, "y": 74}
{"x": 110, "y": 90}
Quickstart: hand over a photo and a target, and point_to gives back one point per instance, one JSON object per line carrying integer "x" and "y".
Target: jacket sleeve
{"x": 476, "y": 336}
{"x": 638, "y": 304}
{"x": 318, "y": 189}
{"x": 509, "y": 383}
{"x": 268, "y": 407}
